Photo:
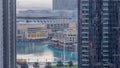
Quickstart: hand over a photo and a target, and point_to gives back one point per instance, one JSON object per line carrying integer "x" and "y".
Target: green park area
{"x": 74, "y": 66}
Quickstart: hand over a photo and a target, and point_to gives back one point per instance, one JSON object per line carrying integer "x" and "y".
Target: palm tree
{"x": 36, "y": 65}
{"x": 60, "y": 64}
{"x": 70, "y": 63}
{"x": 18, "y": 65}
{"x": 48, "y": 65}
{"x": 24, "y": 65}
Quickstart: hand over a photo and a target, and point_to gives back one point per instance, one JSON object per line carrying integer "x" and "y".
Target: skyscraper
{"x": 64, "y": 4}
{"x": 7, "y": 33}
{"x": 97, "y": 37}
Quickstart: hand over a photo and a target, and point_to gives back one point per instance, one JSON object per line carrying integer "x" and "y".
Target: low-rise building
{"x": 47, "y": 26}
{"x": 36, "y": 33}
{"x": 31, "y": 32}
{"x": 65, "y": 39}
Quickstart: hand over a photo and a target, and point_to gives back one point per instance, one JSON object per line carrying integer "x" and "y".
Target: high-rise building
{"x": 64, "y": 4}
{"x": 7, "y": 33}
{"x": 116, "y": 34}
{"x": 97, "y": 38}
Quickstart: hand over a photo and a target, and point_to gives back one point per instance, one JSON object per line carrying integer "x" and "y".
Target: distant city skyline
{"x": 34, "y": 4}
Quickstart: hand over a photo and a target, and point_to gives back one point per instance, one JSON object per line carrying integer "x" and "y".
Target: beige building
{"x": 36, "y": 33}
{"x": 31, "y": 31}
{"x": 66, "y": 38}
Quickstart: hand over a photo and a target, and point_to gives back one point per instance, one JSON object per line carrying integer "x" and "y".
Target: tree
{"x": 70, "y": 63}
{"x": 24, "y": 65}
{"x": 36, "y": 65}
{"x": 18, "y": 65}
{"x": 48, "y": 65}
{"x": 60, "y": 64}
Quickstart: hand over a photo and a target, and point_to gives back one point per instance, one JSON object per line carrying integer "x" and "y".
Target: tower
{"x": 97, "y": 40}
{"x": 64, "y": 4}
{"x": 7, "y": 33}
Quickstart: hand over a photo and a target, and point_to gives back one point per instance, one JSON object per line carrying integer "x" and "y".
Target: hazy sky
{"x": 34, "y": 4}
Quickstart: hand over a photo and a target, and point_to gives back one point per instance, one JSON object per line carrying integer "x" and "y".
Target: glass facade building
{"x": 64, "y": 4}
{"x": 97, "y": 36}
{"x": 7, "y": 33}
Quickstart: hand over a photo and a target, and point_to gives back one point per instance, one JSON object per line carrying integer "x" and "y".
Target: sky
{"x": 34, "y": 4}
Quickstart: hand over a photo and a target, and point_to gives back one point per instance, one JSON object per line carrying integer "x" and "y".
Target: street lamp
{"x": 71, "y": 55}
{"x": 64, "y": 49}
